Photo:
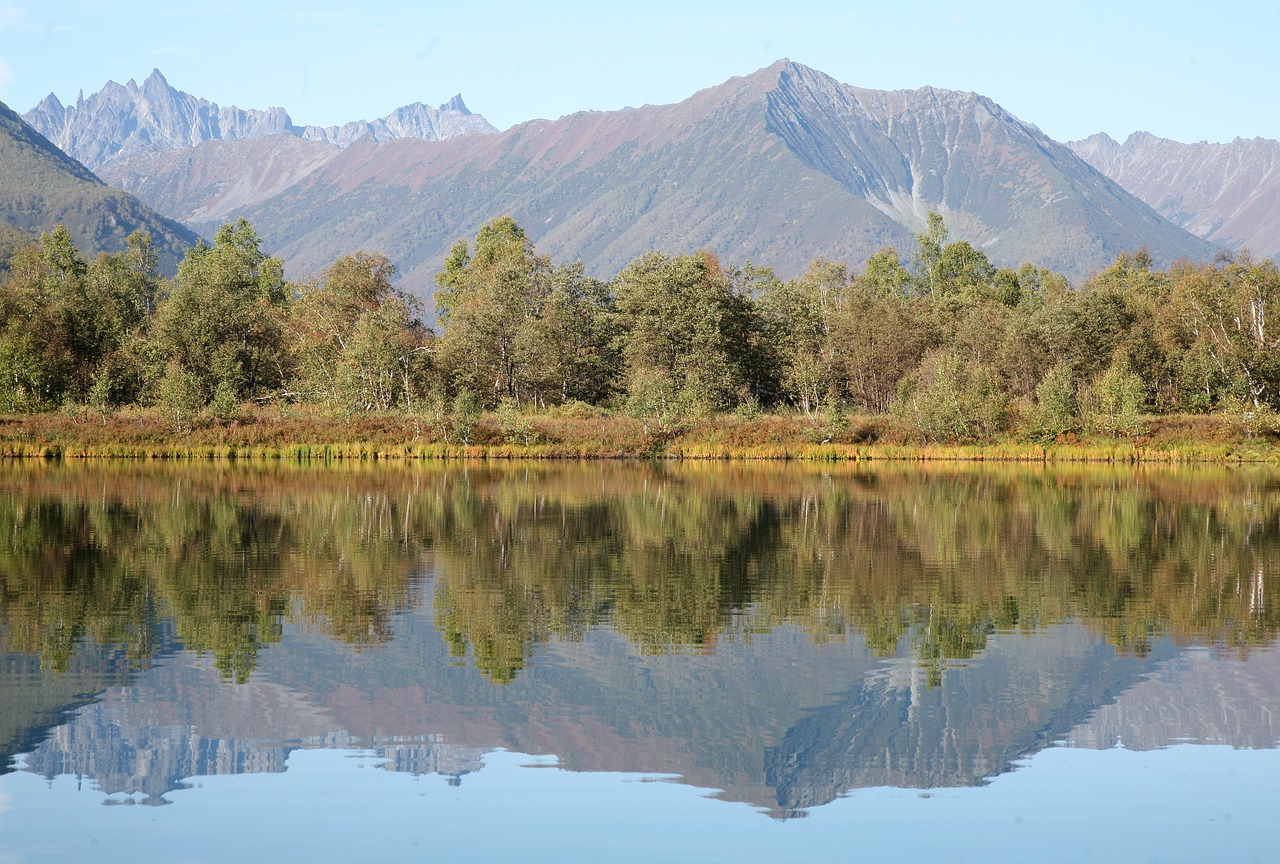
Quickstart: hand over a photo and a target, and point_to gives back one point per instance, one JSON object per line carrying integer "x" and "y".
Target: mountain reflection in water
{"x": 780, "y": 633}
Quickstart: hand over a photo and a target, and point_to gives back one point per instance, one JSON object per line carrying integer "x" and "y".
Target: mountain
{"x": 122, "y": 120}
{"x": 778, "y": 167}
{"x": 1228, "y": 194}
{"x": 41, "y": 187}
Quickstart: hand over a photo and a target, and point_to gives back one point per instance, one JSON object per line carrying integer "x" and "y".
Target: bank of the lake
{"x": 311, "y": 436}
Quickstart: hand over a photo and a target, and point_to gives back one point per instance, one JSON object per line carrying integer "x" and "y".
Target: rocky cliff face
{"x": 1229, "y": 194}
{"x": 123, "y": 120}
{"x": 1001, "y": 183}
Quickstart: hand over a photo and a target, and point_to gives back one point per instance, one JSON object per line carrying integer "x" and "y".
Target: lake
{"x": 637, "y": 662}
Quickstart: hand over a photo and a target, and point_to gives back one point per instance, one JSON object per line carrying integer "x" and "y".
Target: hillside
{"x": 1229, "y": 194}
{"x": 216, "y": 180}
{"x": 41, "y": 187}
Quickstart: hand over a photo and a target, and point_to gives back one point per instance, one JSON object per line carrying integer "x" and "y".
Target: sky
{"x": 1180, "y": 70}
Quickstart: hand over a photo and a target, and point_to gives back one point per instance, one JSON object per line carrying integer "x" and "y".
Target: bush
{"x": 1115, "y": 402}
{"x": 516, "y": 427}
{"x": 949, "y": 400}
{"x": 465, "y": 415}
{"x": 1057, "y": 410}
{"x": 180, "y": 394}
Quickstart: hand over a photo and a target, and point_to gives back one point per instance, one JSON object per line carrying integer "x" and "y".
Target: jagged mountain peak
{"x": 123, "y": 120}
{"x": 456, "y": 104}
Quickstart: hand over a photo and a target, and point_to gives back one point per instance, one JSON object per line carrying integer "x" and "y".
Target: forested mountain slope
{"x": 41, "y": 187}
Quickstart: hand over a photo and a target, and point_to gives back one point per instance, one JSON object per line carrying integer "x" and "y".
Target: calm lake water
{"x": 634, "y": 662}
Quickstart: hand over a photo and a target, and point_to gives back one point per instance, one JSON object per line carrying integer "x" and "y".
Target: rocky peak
{"x": 456, "y": 104}
{"x": 120, "y": 121}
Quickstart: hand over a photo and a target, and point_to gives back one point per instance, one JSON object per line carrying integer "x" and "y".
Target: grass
{"x": 308, "y": 435}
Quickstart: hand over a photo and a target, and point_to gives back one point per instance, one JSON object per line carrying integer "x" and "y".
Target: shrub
{"x": 1057, "y": 410}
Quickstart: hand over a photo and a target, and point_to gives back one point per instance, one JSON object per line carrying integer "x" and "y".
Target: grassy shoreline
{"x": 273, "y": 434}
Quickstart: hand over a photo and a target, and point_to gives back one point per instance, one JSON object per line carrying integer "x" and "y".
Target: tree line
{"x": 953, "y": 347}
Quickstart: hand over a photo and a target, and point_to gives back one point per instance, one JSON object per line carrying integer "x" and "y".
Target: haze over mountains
{"x": 1228, "y": 193}
{"x": 777, "y": 167}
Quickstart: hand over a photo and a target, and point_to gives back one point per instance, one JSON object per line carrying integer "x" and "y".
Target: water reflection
{"x": 782, "y": 634}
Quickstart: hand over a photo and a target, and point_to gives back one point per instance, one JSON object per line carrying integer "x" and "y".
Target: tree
{"x": 68, "y": 328}
{"x": 1230, "y": 308}
{"x": 1057, "y": 410}
{"x": 929, "y": 243}
{"x": 357, "y": 340}
{"x": 876, "y": 341}
{"x": 681, "y": 318}
{"x": 884, "y": 274}
{"x": 797, "y": 315}
{"x": 567, "y": 349}
{"x": 1116, "y": 400}
{"x": 483, "y": 301}
{"x": 223, "y": 321}
{"x": 947, "y": 399}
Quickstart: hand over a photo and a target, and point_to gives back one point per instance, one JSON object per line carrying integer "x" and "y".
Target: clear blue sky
{"x": 1188, "y": 71}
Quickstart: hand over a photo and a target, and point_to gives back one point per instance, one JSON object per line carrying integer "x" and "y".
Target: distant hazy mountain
{"x": 779, "y": 167}
{"x": 41, "y": 187}
{"x": 122, "y": 120}
{"x": 1228, "y": 194}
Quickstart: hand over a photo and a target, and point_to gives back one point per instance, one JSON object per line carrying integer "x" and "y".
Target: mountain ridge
{"x": 1228, "y": 193}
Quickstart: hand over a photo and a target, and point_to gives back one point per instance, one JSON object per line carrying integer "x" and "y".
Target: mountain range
{"x": 777, "y": 167}
{"x": 123, "y": 120}
{"x": 1228, "y": 194}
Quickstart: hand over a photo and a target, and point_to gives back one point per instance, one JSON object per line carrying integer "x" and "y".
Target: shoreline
{"x": 277, "y": 436}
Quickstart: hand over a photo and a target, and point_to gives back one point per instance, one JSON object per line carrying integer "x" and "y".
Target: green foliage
{"x": 179, "y": 393}
{"x": 947, "y": 345}
{"x": 683, "y": 318}
{"x": 652, "y": 396}
{"x": 224, "y": 405}
{"x": 1057, "y": 410}
{"x": 357, "y": 341}
{"x": 797, "y": 317}
{"x": 884, "y": 274}
{"x": 518, "y": 327}
{"x": 1115, "y": 402}
{"x": 948, "y": 400}
{"x": 465, "y": 415}
{"x": 223, "y": 321}
{"x": 1253, "y": 421}
{"x": 514, "y": 424}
